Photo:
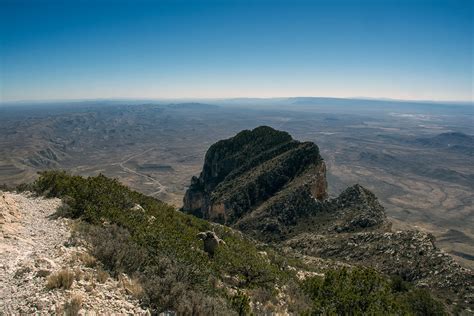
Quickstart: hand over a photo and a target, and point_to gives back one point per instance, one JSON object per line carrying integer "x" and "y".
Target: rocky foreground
{"x": 43, "y": 270}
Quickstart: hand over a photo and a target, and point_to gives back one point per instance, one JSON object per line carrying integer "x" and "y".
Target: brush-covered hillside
{"x": 266, "y": 240}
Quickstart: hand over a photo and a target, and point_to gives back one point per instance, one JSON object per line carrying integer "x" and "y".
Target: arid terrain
{"x": 35, "y": 246}
{"x": 417, "y": 158}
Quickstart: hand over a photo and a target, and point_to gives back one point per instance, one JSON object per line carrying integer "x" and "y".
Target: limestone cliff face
{"x": 245, "y": 171}
{"x": 196, "y": 200}
{"x": 273, "y": 187}
{"x": 320, "y": 185}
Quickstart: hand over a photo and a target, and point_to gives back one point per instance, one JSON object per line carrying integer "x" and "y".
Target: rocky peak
{"x": 234, "y": 153}
{"x": 243, "y": 172}
{"x": 273, "y": 187}
{"x": 355, "y": 209}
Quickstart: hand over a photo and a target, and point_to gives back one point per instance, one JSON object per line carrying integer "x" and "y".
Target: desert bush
{"x": 102, "y": 275}
{"x": 83, "y": 257}
{"x": 131, "y": 286}
{"x": 167, "y": 282}
{"x": 73, "y": 305}
{"x": 115, "y": 249}
{"x": 241, "y": 303}
{"x": 397, "y": 284}
{"x": 298, "y": 301}
{"x": 240, "y": 258}
{"x": 23, "y": 187}
{"x": 420, "y": 302}
{"x": 344, "y": 292}
{"x": 365, "y": 291}
{"x": 61, "y": 279}
{"x": 175, "y": 273}
{"x": 78, "y": 274}
{"x": 88, "y": 260}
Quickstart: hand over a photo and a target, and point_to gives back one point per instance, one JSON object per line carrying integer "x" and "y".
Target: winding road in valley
{"x": 121, "y": 164}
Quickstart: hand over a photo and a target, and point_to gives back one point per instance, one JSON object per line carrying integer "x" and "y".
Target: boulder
{"x": 211, "y": 241}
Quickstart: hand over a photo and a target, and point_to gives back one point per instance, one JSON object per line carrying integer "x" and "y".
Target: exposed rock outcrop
{"x": 211, "y": 241}
{"x": 245, "y": 171}
{"x": 413, "y": 255}
{"x": 295, "y": 210}
{"x": 274, "y": 188}
{"x": 9, "y": 216}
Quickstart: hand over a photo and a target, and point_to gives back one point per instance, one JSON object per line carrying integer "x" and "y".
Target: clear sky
{"x": 406, "y": 49}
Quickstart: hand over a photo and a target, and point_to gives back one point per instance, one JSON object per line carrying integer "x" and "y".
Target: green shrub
{"x": 113, "y": 246}
{"x": 164, "y": 253}
{"x": 365, "y": 291}
{"x": 243, "y": 261}
{"x": 159, "y": 247}
{"x": 397, "y": 284}
{"x": 241, "y": 303}
{"x": 420, "y": 302}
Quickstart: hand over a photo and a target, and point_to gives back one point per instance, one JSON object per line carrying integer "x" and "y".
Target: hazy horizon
{"x": 199, "y": 100}
{"x": 397, "y": 49}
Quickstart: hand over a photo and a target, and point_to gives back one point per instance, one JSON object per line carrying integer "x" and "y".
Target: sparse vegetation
{"x": 62, "y": 279}
{"x": 78, "y": 274}
{"x": 102, "y": 275}
{"x": 241, "y": 303}
{"x": 172, "y": 270}
{"x": 73, "y": 305}
{"x": 132, "y": 286}
{"x": 165, "y": 253}
{"x": 87, "y": 259}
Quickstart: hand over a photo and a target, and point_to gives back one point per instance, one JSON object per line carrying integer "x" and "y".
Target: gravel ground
{"x": 33, "y": 246}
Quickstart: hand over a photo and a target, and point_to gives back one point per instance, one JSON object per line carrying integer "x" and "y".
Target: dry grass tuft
{"x": 78, "y": 274}
{"x": 86, "y": 258}
{"x": 102, "y": 275}
{"x": 131, "y": 286}
{"x": 90, "y": 287}
{"x": 88, "y": 276}
{"x": 61, "y": 279}
{"x": 72, "y": 307}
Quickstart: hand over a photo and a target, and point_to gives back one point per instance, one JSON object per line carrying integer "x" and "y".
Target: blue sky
{"x": 406, "y": 49}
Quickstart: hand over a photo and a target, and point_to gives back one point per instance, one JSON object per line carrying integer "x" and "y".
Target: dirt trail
{"x": 33, "y": 245}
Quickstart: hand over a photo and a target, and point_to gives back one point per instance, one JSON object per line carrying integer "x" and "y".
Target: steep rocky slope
{"x": 179, "y": 264}
{"x": 245, "y": 173}
{"x": 274, "y": 188}
{"x": 412, "y": 255}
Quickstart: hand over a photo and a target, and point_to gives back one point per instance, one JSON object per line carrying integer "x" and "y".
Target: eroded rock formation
{"x": 274, "y": 188}
{"x": 244, "y": 172}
